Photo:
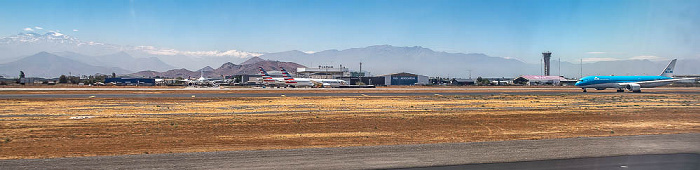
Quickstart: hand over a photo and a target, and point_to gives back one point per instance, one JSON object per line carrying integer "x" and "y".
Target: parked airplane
{"x": 202, "y": 81}
{"x": 269, "y": 80}
{"x": 631, "y": 83}
{"x": 305, "y": 82}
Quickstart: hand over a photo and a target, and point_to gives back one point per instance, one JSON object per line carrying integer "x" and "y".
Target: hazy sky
{"x": 520, "y": 29}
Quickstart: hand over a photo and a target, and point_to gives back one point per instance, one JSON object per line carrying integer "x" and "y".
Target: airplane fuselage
{"x": 304, "y": 82}
{"x": 602, "y": 82}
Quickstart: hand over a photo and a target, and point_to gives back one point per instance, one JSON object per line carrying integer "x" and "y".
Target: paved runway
{"x": 325, "y": 89}
{"x": 305, "y": 92}
{"x": 682, "y": 161}
{"x": 677, "y": 151}
{"x": 223, "y": 95}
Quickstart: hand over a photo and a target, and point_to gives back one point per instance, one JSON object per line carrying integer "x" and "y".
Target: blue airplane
{"x": 631, "y": 83}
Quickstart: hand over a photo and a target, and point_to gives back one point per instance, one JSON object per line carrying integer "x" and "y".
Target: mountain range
{"x": 45, "y": 64}
{"x": 31, "y": 51}
{"x": 24, "y": 44}
{"x": 383, "y": 59}
{"x": 248, "y": 67}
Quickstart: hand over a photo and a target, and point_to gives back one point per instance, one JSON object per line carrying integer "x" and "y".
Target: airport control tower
{"x": 546, "y": 56}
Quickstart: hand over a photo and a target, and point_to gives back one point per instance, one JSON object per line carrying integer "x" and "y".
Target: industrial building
{"x": 500, "y": 80}
{"x": 376, "y": 81}
{"x": 543, "y": 80}
{"x": 131, "y": 81}
{"x": 405, "y": 79}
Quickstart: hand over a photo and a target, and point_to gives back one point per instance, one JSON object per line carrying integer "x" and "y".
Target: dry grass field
{"x": 43, "y": 128}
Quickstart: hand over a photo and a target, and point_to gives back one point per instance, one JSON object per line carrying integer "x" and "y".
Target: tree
{"x": 237, "y": 78}
{"x": 485, "y": 81}
{"x": 114, "y": 75}
{"x": 482, "y": 81}
{"x": 74, "y": 79}
{"x": 21, "y": 76}
{"x": 63, "y": 79}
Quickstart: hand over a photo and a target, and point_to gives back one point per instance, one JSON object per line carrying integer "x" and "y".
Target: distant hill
{"x": 225, "y": 69}
{"x": 121, "y": 60}
{"x": 49, "y": 65}
{"x": 252, "y": 60}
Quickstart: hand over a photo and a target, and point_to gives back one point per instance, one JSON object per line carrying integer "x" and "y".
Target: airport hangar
{"x": 343, "y": 73}
{"x": 405, "y": 79}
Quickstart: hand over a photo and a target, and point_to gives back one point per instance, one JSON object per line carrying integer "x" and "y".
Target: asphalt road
{"x": 677, "y": 151}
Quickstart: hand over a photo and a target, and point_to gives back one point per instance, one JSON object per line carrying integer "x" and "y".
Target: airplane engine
{"x": 634, "y": 87}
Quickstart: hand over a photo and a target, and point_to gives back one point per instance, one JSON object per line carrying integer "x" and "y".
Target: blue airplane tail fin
{"x": 668, "y": 72}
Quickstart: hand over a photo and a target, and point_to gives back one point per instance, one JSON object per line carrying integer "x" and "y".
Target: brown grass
{"x": 41, "y": 128}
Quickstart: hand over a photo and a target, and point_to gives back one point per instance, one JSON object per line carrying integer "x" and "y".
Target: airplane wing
{"x": 658, "y": 81}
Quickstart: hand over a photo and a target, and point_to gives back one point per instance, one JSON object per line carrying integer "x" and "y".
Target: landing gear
{"x": 620, "y": 90}
{"x": 584, "y": 90}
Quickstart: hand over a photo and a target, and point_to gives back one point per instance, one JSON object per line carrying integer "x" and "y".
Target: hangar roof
{"x": 534, "y": 77}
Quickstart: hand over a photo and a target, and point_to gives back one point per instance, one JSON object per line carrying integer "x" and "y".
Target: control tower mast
{"x": 546, "y": 56}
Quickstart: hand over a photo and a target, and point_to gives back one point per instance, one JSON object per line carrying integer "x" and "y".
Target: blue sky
{"x": 521, "y": 29}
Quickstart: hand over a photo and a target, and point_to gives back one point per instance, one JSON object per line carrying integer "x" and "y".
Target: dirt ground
{"x": 48, "y": 128}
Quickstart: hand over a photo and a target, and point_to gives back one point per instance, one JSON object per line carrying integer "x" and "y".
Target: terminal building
{"x": 376, "y": 81}
{"x": 396, "y": 79}
{"x": 131, "y": 81}
{"x": 323, "y": 72}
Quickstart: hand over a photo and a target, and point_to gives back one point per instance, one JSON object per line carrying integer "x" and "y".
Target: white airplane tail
{"x": 286, "y": 74}
{"x": 668, "y": 72}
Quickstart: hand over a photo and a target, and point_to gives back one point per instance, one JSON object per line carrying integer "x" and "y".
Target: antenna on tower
{"x": 470, "y": 74}
{"x": 360, "y": 67}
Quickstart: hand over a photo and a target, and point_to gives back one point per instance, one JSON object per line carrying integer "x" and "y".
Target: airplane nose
{"x": 578, "y": 83}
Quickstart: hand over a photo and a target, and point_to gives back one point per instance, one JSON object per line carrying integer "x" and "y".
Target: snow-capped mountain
{"x": 29, "y": 43}
{"x": 49, "y": 37}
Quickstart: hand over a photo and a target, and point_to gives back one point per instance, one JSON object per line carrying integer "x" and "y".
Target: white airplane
{"x": 631, "y": 83}
{"x": 306, "y": 82}
{"x": 201, "y": 81}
